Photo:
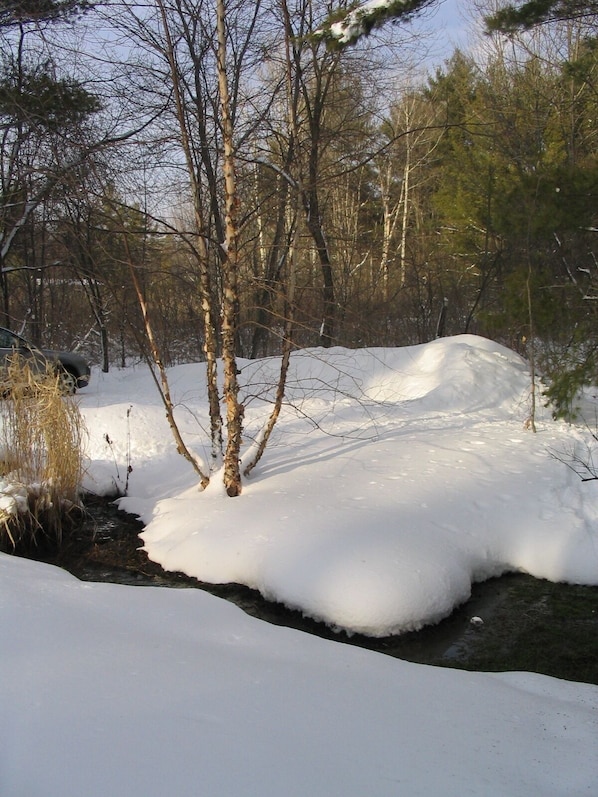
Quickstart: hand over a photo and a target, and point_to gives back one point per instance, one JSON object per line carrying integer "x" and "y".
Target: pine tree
{"x": 512, "y": 18}
{"x": 42, "y": 115}
{"x": 19, "y": 12}
{"x": 346, "y": 27}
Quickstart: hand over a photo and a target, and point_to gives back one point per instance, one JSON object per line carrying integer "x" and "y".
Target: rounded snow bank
{"x": 465, "y": 373}
{"x": 459, "y": 374}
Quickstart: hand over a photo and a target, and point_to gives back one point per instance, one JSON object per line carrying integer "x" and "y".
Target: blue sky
{"x": 449, "y": 22}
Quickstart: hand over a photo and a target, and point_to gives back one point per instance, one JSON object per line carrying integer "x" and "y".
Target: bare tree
{"x": 230, "y": 264}
{"x": 205, "y": 62}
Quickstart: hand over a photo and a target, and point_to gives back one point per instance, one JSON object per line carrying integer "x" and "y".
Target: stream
{"x": 515, "y": 622}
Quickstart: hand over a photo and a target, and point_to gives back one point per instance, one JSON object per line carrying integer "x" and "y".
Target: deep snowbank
{"x": 394, "y": 479}
{"x": 144, "y": 692}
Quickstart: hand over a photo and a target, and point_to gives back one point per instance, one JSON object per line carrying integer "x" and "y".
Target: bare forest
{"x": 185, "y": 180}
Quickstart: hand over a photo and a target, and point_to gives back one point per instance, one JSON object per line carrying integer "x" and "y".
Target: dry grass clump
{"x": 42, "y": 468}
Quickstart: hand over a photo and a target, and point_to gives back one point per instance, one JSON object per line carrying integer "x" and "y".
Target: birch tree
{"x": 209, "y": 56}
{"x": 411, "y": 134}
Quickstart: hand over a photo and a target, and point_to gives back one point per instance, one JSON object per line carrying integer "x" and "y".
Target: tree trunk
{"x": 205, "y": 286}
{"x": 230, "y": 293}
{"x": 314, "y": 225}
{"x": 162, "y": 383}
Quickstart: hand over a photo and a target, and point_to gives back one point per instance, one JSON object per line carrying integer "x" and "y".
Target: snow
{"x": 395, "y": 478}
{"x": 359, "y": 20}
{"x": 352, "y": 26}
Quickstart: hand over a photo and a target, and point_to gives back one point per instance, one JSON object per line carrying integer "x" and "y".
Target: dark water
{"x": 514, "y": 622}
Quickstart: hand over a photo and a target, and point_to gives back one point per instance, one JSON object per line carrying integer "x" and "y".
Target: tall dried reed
{"x": 42, "y": 436}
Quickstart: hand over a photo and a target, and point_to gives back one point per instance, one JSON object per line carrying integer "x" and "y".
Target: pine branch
{"x": 513, "y": 18}
{"x": 341, "y": 30}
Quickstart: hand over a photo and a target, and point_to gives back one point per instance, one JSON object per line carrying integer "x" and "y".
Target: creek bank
{"x": 514, "y": 622}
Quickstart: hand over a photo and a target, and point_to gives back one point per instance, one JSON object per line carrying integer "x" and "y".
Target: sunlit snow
{"x": 395, "y": 478}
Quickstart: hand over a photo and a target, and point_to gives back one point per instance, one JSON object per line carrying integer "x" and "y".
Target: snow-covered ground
{"x": 395, "y": 478}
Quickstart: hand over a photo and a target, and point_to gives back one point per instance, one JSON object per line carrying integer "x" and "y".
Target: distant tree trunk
{"x": 287, "y": 347}
{"x": 86, "y": 269}
{"x": 5, "y": 296}
{"x": 309, "y": 86}
{"x": 96, "y": 302}
{"x": 274, "y": 262}
{"x": 441, "y": 325}
{"x": 314, "y": 225}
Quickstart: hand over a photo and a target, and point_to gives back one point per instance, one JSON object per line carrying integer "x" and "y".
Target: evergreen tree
{"x": 43, "y": 117}
{"x": 347, "y": 26}
{"x": 528, "y": 15}
{"x": 19, "y": 12}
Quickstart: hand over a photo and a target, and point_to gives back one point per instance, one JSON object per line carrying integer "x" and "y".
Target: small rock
{"x": 476, "y": 621}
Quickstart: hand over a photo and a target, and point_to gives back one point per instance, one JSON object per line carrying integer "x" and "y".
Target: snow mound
{"x": 449, "y": 375}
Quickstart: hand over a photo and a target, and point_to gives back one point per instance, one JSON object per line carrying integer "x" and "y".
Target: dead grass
{"x": 42, "y": 468}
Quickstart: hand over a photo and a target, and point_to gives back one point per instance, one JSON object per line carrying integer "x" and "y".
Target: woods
{"x": 218, "y": 175}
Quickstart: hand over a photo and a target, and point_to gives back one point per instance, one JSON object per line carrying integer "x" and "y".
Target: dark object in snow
{"x": 73, "y": 370}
